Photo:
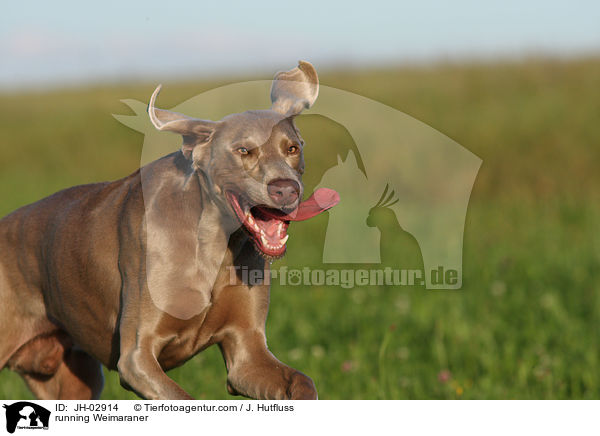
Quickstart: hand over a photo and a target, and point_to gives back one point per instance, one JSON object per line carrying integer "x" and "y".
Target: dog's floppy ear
{"x": 194, "y": 130}
{"x": 295, "y": 90}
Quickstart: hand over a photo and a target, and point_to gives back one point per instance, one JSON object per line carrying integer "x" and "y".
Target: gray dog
{"x": 135, "y": 274}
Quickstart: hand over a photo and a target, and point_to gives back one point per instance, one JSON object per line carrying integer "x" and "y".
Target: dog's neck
{"x": 240, "y": 251}
{"x": 178, "y": 197}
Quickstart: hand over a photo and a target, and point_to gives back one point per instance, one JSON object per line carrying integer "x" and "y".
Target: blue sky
{"x": 65, "y": 42}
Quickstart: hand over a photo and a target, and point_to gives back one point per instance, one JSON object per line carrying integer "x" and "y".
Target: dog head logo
{"x": 430, "y": 176}
{"x": 26, "y": 415}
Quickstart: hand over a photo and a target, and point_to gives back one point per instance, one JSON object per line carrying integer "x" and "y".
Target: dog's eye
{"x": 293, "y": 149}
{"x": 242, "y": 150}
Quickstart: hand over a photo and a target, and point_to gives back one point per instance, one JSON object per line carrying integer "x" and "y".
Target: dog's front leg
{"x": 140, "y": 372}
{"x": 254, "y": 372}
{"x": 138, "y": 367}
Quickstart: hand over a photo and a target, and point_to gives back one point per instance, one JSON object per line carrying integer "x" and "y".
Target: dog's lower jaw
{"x": 261, "y": 253}
{"x": 268, "y": 258}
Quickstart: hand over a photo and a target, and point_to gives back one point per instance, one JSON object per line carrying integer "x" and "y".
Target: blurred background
{"x": 517, "y": 84}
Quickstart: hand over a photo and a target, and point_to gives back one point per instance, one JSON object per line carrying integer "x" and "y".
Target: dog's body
{"x": 136, "y": 274}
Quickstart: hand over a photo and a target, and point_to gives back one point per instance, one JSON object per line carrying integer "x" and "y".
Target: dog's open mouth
{"x": 268, "y": 227}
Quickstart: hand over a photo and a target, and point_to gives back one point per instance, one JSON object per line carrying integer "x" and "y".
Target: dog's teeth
{"x": 263, "y": 239}
{"x": 284, "y": 240}
{"x": 250, "y": 219}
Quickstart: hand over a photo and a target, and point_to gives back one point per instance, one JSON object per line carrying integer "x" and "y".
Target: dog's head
{"x": 253, "y": 161}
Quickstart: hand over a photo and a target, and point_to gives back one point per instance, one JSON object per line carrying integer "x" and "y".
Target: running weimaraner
{"x": 136, "y": 274}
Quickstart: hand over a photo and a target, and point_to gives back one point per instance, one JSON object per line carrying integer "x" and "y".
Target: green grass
{"x": 526, "y": 323}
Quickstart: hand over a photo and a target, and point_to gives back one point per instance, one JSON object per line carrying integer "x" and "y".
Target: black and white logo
{"x": 26, "y": 415}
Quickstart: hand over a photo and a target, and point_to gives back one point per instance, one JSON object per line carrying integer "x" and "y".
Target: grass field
{"x": 526, "y": 323}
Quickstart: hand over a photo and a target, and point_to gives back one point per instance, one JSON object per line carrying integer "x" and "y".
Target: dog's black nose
{"x": 283, "y": 191}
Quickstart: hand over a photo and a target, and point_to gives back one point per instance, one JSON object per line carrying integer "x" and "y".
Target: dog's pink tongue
{"x": 321, "y": 200}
